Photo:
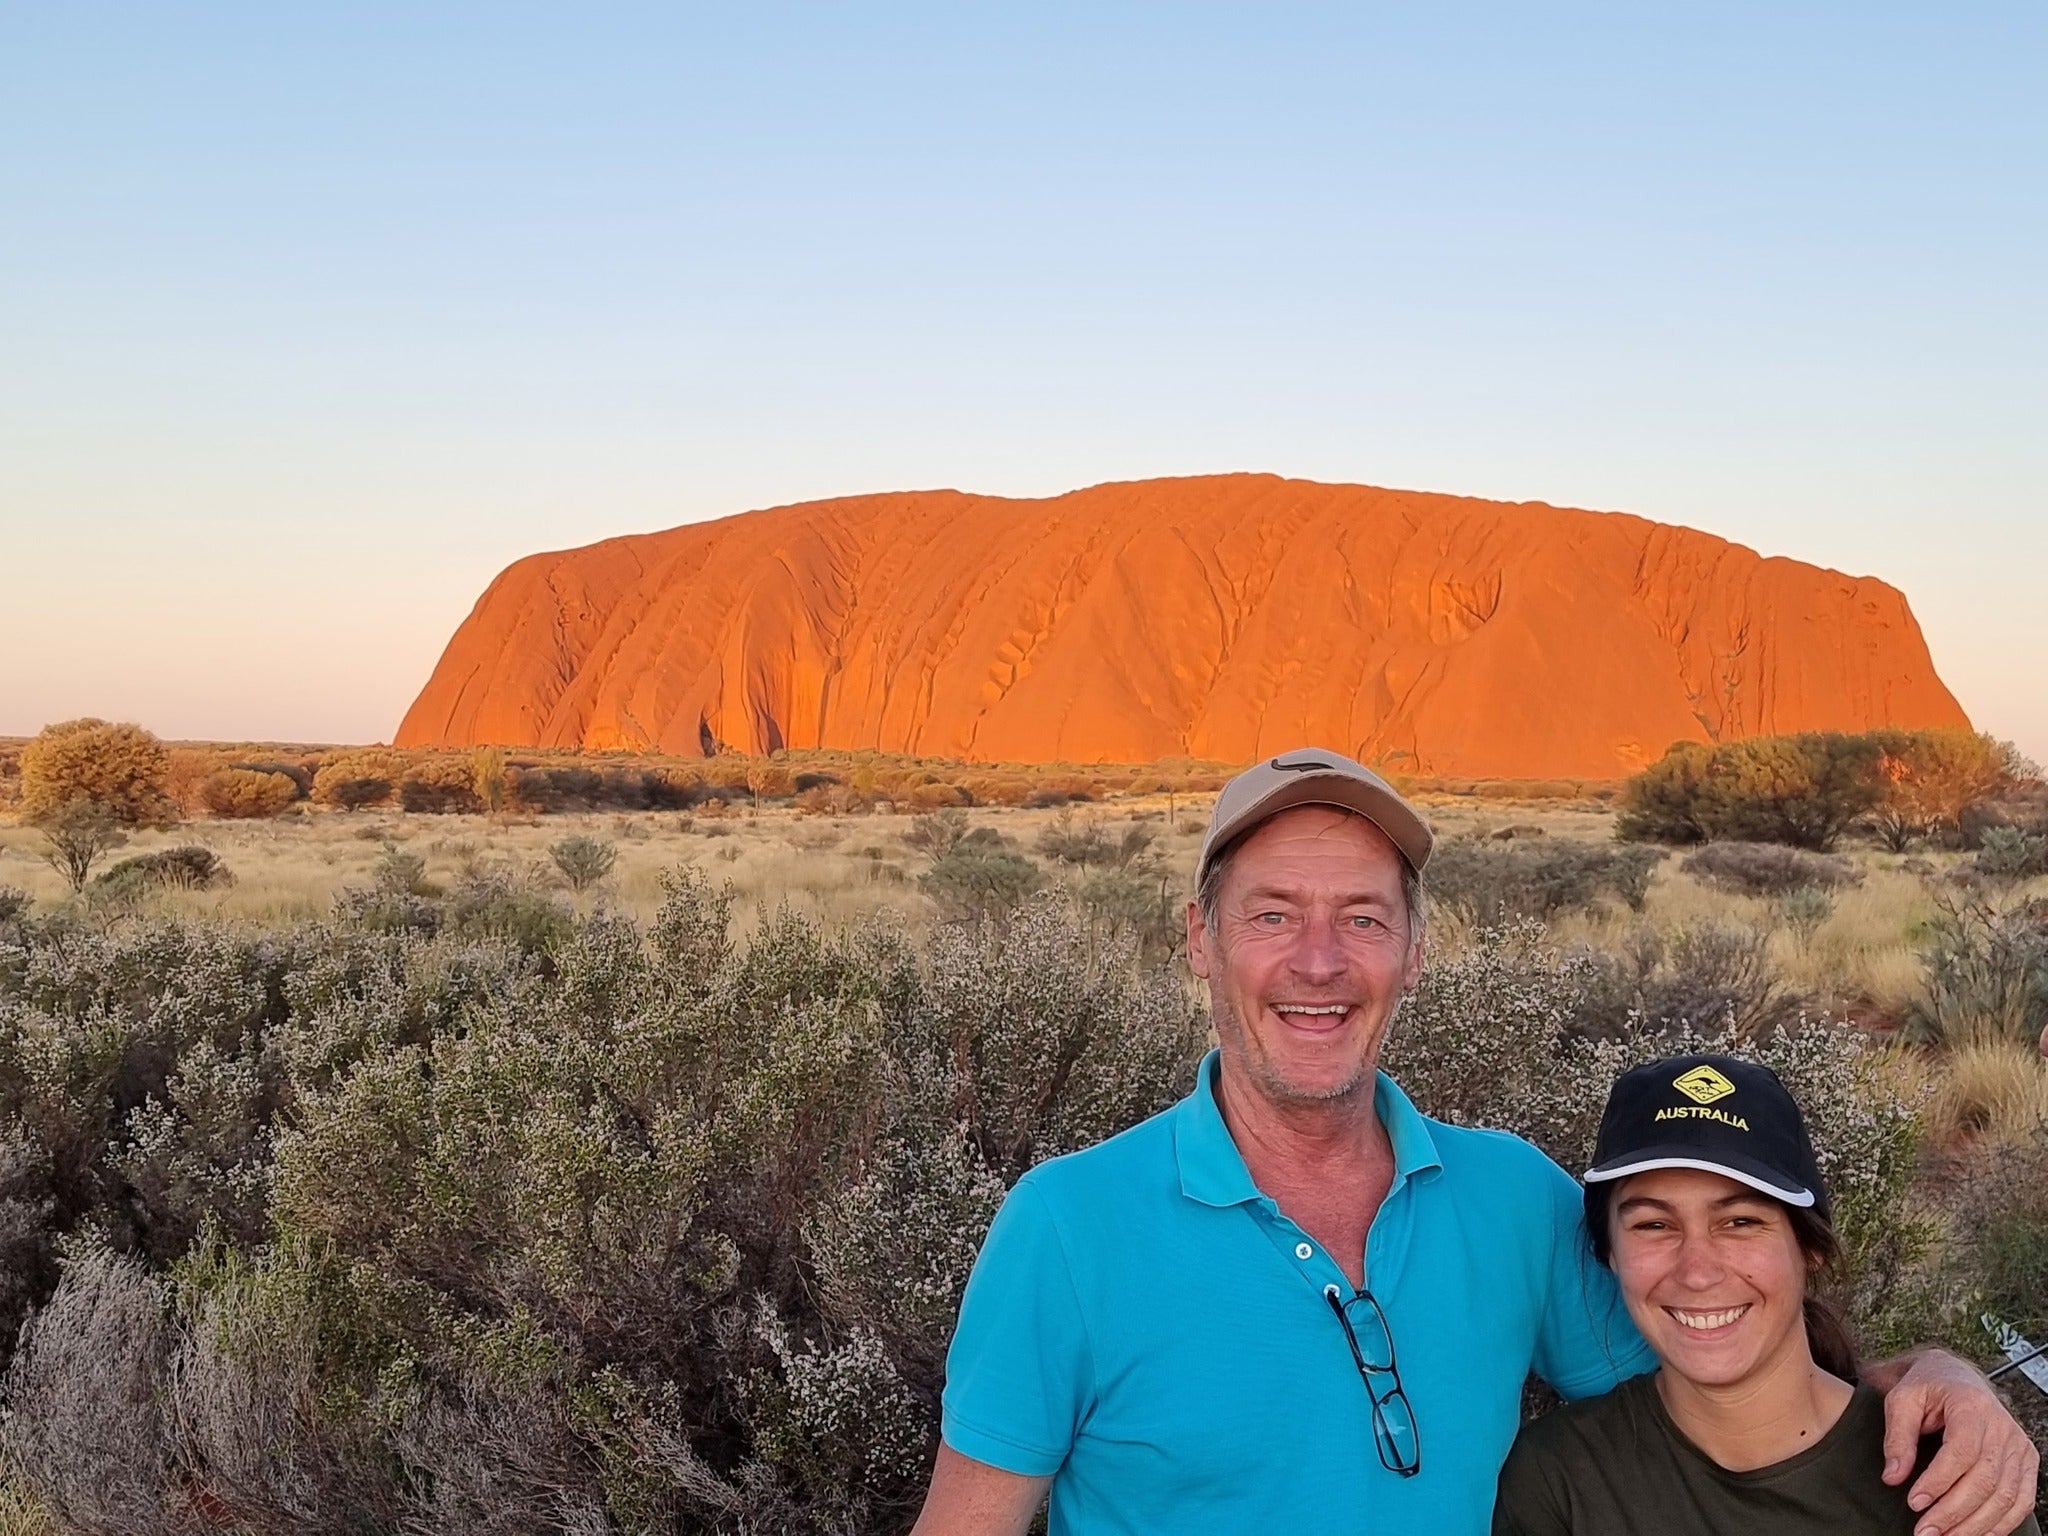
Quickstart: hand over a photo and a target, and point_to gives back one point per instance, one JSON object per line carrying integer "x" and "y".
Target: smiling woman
{"x": 1706, "y": 1201}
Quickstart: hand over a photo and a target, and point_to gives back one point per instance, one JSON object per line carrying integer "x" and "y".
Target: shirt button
{"x": 1304, "y": 1251}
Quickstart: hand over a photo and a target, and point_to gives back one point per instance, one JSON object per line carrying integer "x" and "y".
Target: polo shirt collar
{"x": 1212, "y": 1170}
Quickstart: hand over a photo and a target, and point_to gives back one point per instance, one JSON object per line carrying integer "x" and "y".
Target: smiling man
{"x": 1292, "y": 1301}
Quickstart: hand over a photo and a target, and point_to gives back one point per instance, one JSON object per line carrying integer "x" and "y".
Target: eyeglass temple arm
{"x": 2012, "y": 1365}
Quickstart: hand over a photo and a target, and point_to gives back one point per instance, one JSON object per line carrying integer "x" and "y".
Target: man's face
{"x": 1312, "y": 949}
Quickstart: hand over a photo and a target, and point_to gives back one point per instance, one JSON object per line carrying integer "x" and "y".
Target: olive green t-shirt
{"x": 1615, "y": 1465}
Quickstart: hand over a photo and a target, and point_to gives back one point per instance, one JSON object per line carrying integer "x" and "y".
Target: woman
{"x": 1705, "y": 1200}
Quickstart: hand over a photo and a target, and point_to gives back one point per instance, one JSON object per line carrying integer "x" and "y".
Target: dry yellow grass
{"x": 1985, "y": 1091}
{"x": 839, "y": 869}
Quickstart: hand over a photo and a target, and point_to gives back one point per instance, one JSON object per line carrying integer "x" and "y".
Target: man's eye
{"x": 1271, "y": 918}
{"x": 1365, "y": 923}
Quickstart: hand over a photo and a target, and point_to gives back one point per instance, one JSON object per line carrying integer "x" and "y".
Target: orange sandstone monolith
{"x": 1219, "y": 617}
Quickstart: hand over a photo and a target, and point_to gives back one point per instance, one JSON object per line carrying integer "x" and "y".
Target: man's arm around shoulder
{"x": 972, "y": 1498}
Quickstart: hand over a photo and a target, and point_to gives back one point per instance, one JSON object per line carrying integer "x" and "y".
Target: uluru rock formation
{"x": 1220, "y": 617}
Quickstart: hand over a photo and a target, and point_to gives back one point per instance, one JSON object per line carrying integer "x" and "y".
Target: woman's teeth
{"x": 1706, "y": 1320}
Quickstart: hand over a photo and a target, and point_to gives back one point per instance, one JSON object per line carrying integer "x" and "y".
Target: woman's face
{"x": 1712, "y": 1273}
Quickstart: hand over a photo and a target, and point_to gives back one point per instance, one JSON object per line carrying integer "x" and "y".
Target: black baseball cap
{"x": 1711, "y": 1112}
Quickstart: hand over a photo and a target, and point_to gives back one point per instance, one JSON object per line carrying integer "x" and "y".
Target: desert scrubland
{"x": 553, "y": 1164}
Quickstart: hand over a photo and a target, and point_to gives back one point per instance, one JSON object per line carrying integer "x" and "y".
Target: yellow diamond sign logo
{"x": 1703, "y": 1085}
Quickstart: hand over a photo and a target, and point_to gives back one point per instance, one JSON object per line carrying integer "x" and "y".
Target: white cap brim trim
{"x": 1802, "y": 1198}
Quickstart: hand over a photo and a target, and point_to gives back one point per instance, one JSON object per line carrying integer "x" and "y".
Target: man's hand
{"x": 1981, "y": 1481}
{"x": 971, "y": 1498}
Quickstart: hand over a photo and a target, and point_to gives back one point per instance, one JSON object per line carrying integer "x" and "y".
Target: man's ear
{"x": 1198, "y": 942}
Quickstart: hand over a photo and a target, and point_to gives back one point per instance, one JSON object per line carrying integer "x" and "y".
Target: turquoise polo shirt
{"x": 1146, "y": 1328}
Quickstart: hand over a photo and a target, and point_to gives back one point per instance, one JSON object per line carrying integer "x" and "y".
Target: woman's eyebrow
{"x": 1635, "y": 1200}
{"x": 1744, "y": 1197}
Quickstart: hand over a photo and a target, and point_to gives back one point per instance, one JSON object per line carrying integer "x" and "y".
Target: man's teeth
{"x": 1704, "y": 1320}
{"x": 1305, "y": 1008}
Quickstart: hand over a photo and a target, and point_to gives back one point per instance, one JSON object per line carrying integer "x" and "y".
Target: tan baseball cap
{"x": 1312, "y": 776}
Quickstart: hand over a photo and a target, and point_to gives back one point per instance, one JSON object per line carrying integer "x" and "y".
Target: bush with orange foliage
{"x": 440, "y": 786}
{"x": 247, "y": 793}
{"x": 120, "y": 767}
{"x": 356, "y": 779}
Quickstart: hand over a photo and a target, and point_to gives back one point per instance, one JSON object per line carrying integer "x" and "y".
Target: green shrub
{"x": 1492, "y": 881}
{"x": 187, "y": 867}
{"x": 583, "y": 861}
{"x": 1804, "y": 790}
{"x": 1768, "y": 869}
{"x": 2011, "y": 853}
{"x": 975, "y": 881}
{"x": 937, "y": 833}
{"x": 1804, "y": 908}
{"x": 401, "y": 872}
{"x": 654, "y": 1233}
{"x": 1986, "y": 971}
{"x": 1662, "y": 804}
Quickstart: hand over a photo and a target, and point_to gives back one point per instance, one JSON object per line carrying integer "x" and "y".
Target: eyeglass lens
{"x": 1372, "y": 1347}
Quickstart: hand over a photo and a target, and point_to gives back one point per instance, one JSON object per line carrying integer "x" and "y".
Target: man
{"x": 1291, "y": 1303}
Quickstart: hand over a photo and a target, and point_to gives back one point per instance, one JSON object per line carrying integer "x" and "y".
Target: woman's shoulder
{"x": 1615, "y": 1417}
{"x": 1564, "y": 1450}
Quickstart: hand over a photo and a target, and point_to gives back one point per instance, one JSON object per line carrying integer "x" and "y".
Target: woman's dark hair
{"x": 1828, "y": 1335}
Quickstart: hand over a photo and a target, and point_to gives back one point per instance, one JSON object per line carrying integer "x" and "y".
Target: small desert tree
{"x": 493, "y": 787}
{"x": 937, "y": 832}
{"x": 1930, "y": 777}
{"x": 122, "y": 768}
{"x": 76, "y": 836}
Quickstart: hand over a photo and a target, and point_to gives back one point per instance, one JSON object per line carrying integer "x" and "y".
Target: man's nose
{"x": 1318, "y": 957}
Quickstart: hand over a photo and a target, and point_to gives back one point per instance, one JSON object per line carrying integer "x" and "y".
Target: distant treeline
{"x": 153, "y": 782}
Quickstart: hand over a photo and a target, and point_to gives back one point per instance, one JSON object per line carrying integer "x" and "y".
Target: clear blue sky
{"x": 314, "y": 317}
